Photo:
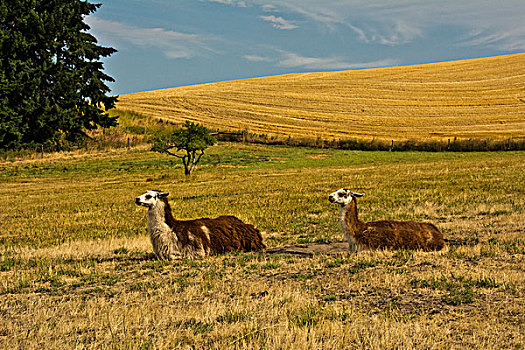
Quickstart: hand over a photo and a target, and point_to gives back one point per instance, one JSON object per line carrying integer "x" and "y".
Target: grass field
{"x": 77, "y": 269}
{"x": 479, "y": 99}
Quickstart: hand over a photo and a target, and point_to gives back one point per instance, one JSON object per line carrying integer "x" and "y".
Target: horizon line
{"x": 319, "y": 71}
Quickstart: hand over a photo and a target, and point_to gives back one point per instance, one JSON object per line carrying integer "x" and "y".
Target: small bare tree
{"x": 189, "y": 143}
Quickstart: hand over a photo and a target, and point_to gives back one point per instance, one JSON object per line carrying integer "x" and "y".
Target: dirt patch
{"x": 310, "y": 249}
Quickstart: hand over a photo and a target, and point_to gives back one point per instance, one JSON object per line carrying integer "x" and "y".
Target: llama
{"x": 383, "y": 234}
{"x": 173, "y": 239}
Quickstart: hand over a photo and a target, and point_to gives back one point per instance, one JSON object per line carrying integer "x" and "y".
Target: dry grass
{"x": 77, "y": 269}
{"x": 480, "y": 98}
{"x": 123, "y": 298}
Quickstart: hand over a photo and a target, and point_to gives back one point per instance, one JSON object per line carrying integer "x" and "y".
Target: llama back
{"x": 228, "y": 233}
{"x": 219, "y": 235}
{"x": 401, "y": 235}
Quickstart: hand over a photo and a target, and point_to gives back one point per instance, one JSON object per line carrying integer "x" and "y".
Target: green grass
{"x": 77, "y": 269}
{"x": 282, "y": 190}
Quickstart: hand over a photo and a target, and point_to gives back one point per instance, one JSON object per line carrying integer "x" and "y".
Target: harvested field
{"x": 480, "y": 98}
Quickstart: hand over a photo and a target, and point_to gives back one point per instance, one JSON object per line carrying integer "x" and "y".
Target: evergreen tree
{"x": 51, "y": 82}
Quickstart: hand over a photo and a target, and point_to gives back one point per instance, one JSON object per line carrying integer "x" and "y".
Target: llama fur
{"x": 175, "y": 239}
{"x": 388, "y": 234}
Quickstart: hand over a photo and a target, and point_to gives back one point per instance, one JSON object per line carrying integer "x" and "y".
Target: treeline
{"x": 135, "y": 129}
{"x": 448, "y": 145}
{"x": 138, "y": 127}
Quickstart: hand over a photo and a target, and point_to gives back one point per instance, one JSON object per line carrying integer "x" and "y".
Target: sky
{"x": 170, "y": 43}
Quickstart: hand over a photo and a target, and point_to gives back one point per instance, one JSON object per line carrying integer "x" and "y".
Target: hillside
{"x": 478, "y": 98}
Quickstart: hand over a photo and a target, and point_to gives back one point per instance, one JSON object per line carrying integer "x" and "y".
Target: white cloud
{"x": 239, "y": 3}
{"x": 319, "y": 14}
{"x": 391, "y": 34}
{"x": 269, "y": 8}
{"x": 397, "y": 33}
{"x": 293, "y": 60}
{"x": 506, "y": 41}
{"x": 498, "y": 24}
{"x": 288, "y": 59}
{"x": 279, "y": 22}
{"x": 483, "y": 38}
{"x": 499, "y": 28}
{"x": 484, "y": 23}
{"x": 378, "y": 23}
{"x": 172, "y": 44}
{"x": 256, "y": 58}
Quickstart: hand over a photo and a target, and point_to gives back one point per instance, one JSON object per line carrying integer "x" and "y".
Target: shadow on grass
{"x": 311, "y": 249}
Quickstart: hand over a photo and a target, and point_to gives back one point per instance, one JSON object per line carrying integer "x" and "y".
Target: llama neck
{"x": 164, "y": 240}
{"x": 350, "y": 223}
{"x": 157, "y": 219}
{"x": 156, "y": 215}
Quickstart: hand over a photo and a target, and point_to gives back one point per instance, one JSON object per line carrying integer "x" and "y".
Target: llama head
{"x": 343, "y": 196}
{"x": 150, "y": 198}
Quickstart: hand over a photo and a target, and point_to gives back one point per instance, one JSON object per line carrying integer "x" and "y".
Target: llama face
{"x": 150, "y": 198}
{"x": 343, "y": 196}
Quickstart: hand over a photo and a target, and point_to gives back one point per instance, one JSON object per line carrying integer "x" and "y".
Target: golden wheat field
{"x": 478, "y": 98}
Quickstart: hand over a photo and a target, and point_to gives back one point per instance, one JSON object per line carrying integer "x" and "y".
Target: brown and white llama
{"x": 173, "y": 239}
{"x": 383, "y": 234}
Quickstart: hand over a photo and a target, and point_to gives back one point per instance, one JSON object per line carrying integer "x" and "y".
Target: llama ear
{"x": 357, "y": 194}
{"x": 163, "y": 194}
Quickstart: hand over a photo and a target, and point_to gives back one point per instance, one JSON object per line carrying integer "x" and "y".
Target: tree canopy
{"x": 52, "y": 85}
{"x": 190, "y": 141}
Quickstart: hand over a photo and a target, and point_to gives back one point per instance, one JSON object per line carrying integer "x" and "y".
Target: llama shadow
{"x": 311, "y": 249}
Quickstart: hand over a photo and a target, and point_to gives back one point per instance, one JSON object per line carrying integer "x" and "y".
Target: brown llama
{"x": 174, "y": 239}
{"x": 383, "y": 234}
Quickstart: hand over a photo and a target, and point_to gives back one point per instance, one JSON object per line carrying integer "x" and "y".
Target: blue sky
{"x": 169, "y": 43}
